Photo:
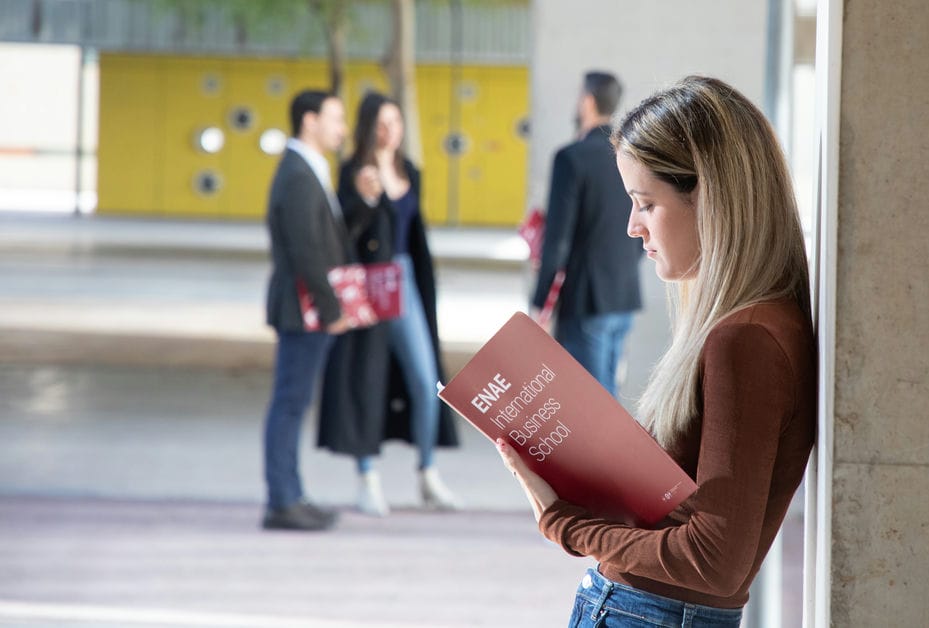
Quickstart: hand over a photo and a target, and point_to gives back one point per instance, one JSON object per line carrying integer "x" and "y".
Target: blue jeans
{"x": 601, "y": 603}
{"x": 300, "y": 357}
{"x": 411, "y": 344}
{"x": 597, "y": 343}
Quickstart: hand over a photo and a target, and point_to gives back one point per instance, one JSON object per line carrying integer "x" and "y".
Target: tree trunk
{"x": 36, "y": 18}
{"x": 334, "y": 17}
{"x": 399, "y": 65}
{"x": 335, "y": 36}
{"x": 241, "y": 31}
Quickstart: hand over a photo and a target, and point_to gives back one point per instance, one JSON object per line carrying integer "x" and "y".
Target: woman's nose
{"x": 635, "y": 229}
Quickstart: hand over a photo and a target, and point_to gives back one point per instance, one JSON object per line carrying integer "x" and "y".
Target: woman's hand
{"x": 369, "y": 186}
{"x": 338, "y": 326}
{"x": 540, "y": 493}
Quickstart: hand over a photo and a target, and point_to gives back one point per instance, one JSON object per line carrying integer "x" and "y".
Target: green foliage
{"x": 257, "y": 13}
{"x": 251, "y": 10}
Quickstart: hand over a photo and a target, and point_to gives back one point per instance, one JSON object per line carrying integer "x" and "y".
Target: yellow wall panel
{"x": 492, "y": 175}
{"x": 193, "y": 98}
{"x": 130, "y": 154}
{"x": 433, "y": 85}
{"x": 152, "y": 106}
{"x": 261, "y": 89}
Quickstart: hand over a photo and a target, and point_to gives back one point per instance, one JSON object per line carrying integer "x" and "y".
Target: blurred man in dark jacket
{"x": 585, "y": 235}
{"x": 308, "y": 238}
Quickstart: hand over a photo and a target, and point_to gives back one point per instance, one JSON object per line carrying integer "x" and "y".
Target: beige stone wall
{"x": 880, "y": 551}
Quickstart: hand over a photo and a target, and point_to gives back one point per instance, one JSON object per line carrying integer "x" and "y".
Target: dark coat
{"x": 306, "y": 241}
{"x": 365, "y": 399}
{"x": 585, "y": 233}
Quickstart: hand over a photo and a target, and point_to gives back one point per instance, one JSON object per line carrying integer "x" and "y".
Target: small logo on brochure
{"x": 668, "y": 495}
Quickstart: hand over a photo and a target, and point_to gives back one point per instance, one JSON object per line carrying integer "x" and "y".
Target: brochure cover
{"x": 383, "y": 282}
{"x": 367, "y": 293}
{"x": 524, "y": 387}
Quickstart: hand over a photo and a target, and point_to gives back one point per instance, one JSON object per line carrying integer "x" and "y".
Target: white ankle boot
{"x": 370, "y": 496}
{"x": 435, "y": 494}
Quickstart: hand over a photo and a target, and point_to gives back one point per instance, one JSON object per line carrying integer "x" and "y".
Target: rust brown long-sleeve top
{"x": 747, "y": 451}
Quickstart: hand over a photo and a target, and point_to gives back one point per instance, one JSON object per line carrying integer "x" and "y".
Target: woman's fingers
{"x": 368, "y": 183}
{"x": 510, "y": 459}
{"x": 538, "y": 491}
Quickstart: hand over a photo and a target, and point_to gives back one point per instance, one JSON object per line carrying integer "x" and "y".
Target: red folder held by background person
{"x": 548, "y": 308}
{"x": 524, "y": 387}
{"x": 367, "y": 294}
{"x": 384, "y": 282}
{"x": 532, "y": 230}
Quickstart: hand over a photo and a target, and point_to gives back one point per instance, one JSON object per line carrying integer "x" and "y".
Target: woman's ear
{"x": 693, "y": 196}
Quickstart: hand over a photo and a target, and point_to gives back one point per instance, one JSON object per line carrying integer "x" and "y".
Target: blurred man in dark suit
{"x": 308, "y": 238}
{"x": 585, "y": 235}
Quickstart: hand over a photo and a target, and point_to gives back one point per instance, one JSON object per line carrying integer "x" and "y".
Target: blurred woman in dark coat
{"x": 381, "y": 381}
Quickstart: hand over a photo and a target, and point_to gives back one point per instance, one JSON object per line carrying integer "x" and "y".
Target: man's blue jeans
{"x": 300, "y": 357}
{"x": 597, "y": 343}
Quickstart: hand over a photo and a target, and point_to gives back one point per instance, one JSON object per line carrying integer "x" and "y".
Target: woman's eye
{"x": 646, "y": 208}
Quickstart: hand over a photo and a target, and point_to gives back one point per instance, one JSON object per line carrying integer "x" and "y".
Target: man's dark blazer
{"x": 585, "y": 233}
{"x": 306, "y": 241}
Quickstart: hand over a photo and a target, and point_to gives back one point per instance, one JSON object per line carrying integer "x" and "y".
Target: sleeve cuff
{"x": 555, "y": 522}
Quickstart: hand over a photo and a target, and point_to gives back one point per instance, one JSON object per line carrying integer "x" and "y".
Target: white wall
{"x": 38, "y": 126}
{"x": 646, "y": 44}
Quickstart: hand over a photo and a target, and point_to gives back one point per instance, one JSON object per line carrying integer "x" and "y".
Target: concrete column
{"x": 880, "y": 482}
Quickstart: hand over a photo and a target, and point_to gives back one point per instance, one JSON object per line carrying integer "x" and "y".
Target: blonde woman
{"x": 733, "y": 399}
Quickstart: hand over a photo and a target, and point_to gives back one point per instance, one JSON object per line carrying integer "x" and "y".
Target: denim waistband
{"x": 606, "y": 597}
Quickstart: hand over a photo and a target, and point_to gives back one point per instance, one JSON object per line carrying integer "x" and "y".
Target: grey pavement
{"x": 92, "y": 279}
{"x": 131, "y": 497}
{"x": 190, "y": 293}
{"x": 72, "y": 562}
{"x": 134, "y": 373}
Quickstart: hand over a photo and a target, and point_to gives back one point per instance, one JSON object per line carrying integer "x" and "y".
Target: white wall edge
{"x": 818, "y": 553}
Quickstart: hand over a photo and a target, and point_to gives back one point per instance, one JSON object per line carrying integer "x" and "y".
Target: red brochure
{"x": 367, "y": 293}
{"x": 384, "y": 282}
{"x": 532, "y": 230}
{"x": 524, "y": 387}
{"x": 548, "y": 308}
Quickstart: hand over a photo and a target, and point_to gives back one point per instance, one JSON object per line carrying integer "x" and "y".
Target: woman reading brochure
{"x": 733, "y": 400}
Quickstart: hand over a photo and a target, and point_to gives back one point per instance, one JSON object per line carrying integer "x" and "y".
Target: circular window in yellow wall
{"x": 467, "y": 91}
{"x": 272, "y": 141}
{"x": 455, "y": 144}
{"x": 276, "y": 85}
{"x": 210, "y": 84}
{"x": 209, "y": 139}
{"x": 207, "y": 182}
{"x": 242, "y": 118}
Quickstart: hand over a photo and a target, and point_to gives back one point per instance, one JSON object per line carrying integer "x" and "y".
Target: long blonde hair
{"x": 702, "y": 134}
